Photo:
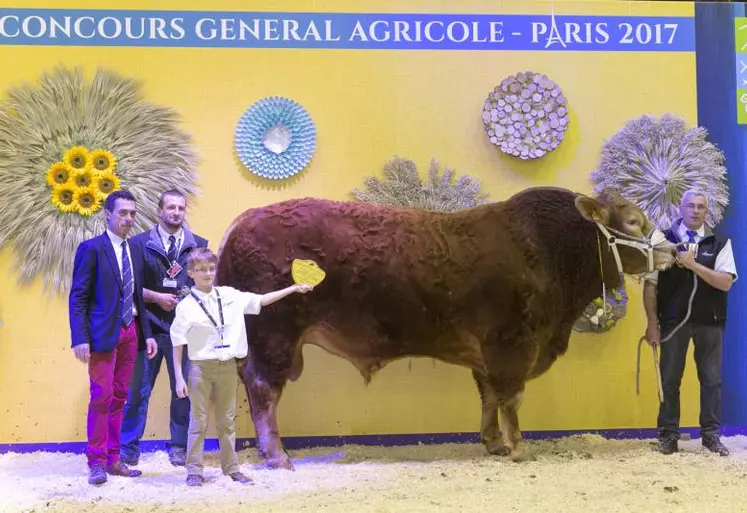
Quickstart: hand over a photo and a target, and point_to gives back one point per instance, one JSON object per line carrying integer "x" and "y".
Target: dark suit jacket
{"x": 156, "y": 269}
{"x": 96, "y": 295}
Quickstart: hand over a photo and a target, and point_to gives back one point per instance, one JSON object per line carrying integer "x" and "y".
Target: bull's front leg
{"x": 490, "y": 435}
{"x": 511, "y": 432}
{"x": 263, "y": 402}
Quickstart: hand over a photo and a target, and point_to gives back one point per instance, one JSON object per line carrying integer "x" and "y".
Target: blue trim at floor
{"x": 295, "y": 443}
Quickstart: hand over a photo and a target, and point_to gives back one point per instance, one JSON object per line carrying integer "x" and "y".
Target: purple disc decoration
{"x": 526, "y": 116}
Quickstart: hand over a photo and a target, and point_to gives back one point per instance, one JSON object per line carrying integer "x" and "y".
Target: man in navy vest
{"x": 707, "y": 257}
{"x": 165, "y": 249}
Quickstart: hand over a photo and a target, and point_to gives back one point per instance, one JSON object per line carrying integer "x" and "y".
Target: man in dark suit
{"x": 165, "y": 249}
{"x": 108, "y": 328}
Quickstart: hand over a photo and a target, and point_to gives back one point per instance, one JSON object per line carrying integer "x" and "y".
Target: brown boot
{"x": 120, "y": 469}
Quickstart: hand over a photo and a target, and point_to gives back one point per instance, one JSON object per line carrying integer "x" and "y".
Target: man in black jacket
{"x": 707, "y": 257}
{"x": 165, "y": 249}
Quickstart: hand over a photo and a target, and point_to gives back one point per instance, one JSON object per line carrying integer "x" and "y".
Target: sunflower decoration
{"x": 103, "y": 161}
{"x": 77, "y": 158}
{"x": 86, "y": 200}
{"x": 106, "y": 183}
{"x": 65, "y": 148}
{"x": 83, "y": 177}
{"x": 59, "y": 173}
{"x": 78, "y": 168}
{"x": 63, "y": 197}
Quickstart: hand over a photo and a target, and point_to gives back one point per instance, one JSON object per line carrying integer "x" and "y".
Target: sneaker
{"x": 96, "y": 475}
{"x": 195, "y": 480}
{"x": 120, "y": 469}
{"x": 667, "y": 446}
{"x": 240, "y": 478}
{"x": 178, "y": 456}
{"x": 713, "y": 444}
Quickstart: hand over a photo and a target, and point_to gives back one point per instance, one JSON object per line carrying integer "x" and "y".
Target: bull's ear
{"x": 592, "y": 209}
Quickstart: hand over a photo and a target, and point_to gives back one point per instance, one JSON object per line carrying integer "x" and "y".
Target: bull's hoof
{"x": 522, "y": 456}
{"x": 283, "y": 463}
{"x": 497, "y": 448}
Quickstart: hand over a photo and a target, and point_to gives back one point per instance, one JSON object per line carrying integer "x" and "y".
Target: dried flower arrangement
{"x": 652, "y": 161}
{"x": 402, "y": 185}
{"x": 65, "y": 144}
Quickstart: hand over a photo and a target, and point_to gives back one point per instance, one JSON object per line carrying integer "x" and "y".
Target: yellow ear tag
{"x": 306, "y": 272}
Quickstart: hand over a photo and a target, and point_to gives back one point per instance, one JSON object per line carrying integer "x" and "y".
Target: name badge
{"x": 170, "y": 284}
{"x": 174, "y": 269}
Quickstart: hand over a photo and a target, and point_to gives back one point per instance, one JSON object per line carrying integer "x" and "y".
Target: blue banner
{"x": 201, "y": 29}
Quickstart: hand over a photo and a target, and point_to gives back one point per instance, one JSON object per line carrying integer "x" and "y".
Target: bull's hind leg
{"x": 263, "y": 402}
{"x": 490, "y": 435}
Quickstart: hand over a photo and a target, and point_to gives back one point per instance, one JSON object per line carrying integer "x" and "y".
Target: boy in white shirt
{"x": 210, "y": 322}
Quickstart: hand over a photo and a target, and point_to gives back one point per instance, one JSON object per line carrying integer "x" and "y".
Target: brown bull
{"x": 496, "y": 289}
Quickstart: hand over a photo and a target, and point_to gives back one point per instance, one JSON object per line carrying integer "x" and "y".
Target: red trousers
{"x": 110, "y": 375}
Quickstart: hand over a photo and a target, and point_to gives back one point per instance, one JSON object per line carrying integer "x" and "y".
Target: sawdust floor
{"x": 583, "y": 473}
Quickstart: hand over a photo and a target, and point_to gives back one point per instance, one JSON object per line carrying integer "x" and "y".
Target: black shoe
{"x": 97, "y": 475}
{"x": 713, "y": 444}
{"x": 667, "y": 446}
{"x": 130, "y": 461}
{"x": 178, "y": 456}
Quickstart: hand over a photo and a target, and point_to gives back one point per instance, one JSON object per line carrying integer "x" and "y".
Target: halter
{"x": 644, "y": 245}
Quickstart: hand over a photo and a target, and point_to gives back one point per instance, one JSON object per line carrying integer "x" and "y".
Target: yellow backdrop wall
{"x": 368, "y": 107}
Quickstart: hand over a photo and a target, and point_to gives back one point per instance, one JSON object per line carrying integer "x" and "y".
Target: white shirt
{"x": 179, "y": 236}
{"x": 193, "y": 328}
{"x": 117, "y": 241}
{"x": 724, "y": 260}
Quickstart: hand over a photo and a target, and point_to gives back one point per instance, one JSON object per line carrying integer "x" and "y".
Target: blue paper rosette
{"x": 275, "y": 138}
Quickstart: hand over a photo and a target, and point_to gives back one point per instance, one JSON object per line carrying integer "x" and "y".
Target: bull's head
{"x": 637, "y": 245}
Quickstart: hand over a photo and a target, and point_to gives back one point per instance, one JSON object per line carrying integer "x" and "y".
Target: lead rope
{"x": 604, "y": 287}
{"x": 666, "y": 339}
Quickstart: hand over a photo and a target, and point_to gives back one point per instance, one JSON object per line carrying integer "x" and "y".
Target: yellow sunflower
{"x": 77, "y": 157}
{"x": 84, "y": 177}
{"x": 63, "y": 197}
{"x": 87, "y": 201}
{"x": 106, "y": 183}
{"x": 103, "y": 161}
{"x": 59, "y": 173}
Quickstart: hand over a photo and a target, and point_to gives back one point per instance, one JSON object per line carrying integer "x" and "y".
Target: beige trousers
{"x": 216, "y": 380}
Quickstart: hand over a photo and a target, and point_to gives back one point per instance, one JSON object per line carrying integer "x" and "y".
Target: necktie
{"x": 691, "y": 235}
{"x": 172, "y": 248}
{"x": 127, "y": 287}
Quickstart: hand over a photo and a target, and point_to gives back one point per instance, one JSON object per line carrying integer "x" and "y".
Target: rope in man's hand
{"x": 654, "y": 347}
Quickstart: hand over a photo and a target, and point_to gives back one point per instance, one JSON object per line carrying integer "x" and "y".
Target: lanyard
{"x": 220, "y": 329}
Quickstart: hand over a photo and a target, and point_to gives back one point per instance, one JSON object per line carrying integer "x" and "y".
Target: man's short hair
{"x": 112, "y": 198}
{"x": 694, "y": 192}
{"x": 170, "y": 192}
{"x": 200, "y": 256}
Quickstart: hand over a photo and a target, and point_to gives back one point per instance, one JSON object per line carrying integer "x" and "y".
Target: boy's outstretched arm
{"x": 271, "y": 297}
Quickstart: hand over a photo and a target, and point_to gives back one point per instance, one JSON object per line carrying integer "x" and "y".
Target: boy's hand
{"x": 303, "y": 288}
{"x": 181, "y": 388}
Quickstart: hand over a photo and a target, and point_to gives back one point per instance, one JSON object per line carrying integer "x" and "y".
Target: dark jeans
{"x": 708, "y": 355}
{"x": 141, "y": 386}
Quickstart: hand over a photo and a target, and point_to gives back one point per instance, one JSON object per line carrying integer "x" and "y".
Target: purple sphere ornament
{"x": 537, "y": 110}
